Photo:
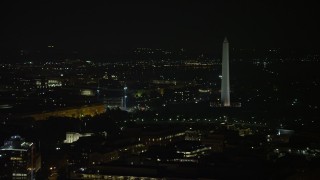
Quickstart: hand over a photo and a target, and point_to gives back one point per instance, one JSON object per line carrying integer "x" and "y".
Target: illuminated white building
{"x": 54, "y": 83}
{"x": 72, "y": 137}
{"x": 51, "y": 83}
{"x": 87, "y": 92}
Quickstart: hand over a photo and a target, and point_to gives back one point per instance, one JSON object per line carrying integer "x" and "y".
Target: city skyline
{"x": 152, "y": 90}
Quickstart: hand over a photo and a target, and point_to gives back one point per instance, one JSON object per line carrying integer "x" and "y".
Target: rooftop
{"x": 16, "y": 143}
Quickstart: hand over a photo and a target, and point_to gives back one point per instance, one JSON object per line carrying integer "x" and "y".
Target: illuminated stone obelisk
{"x": 225, "y": 84}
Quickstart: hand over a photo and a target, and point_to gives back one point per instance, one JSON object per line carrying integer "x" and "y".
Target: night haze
{"x": 159, "y": 90}
{"x": 99, "y": 27}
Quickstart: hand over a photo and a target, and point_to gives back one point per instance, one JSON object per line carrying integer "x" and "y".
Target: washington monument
{"x": 225, "y": 84}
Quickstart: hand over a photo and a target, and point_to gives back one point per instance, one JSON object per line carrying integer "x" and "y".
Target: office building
{"x": 19, "y": 159}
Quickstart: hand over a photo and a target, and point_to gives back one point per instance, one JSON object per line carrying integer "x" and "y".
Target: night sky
{"x": 103, "y": 26}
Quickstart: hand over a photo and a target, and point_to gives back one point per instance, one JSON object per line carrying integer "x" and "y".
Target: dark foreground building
{"x": 19, "y": 159}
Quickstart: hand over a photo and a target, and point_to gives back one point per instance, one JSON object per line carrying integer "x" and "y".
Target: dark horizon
{"x": 111, "y": 27}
